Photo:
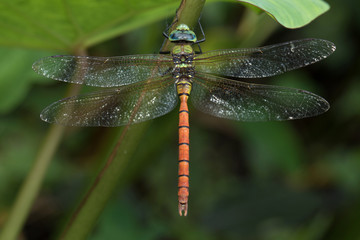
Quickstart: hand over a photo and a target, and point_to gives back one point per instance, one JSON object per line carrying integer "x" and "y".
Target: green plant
{"x": 74, "y": 28}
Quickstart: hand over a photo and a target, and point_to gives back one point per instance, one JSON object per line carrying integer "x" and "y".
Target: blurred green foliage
{"x": 72, "y": 24}
{"x": 268, "y": 181}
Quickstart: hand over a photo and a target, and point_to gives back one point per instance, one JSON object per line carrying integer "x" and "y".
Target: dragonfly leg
{"x": 201, "y": 40}
{"x": 202, "y": 32}
{"x": 200, "y": 51}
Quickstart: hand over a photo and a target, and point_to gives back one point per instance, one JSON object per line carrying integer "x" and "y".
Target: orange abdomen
{"x": 183, "y": 183}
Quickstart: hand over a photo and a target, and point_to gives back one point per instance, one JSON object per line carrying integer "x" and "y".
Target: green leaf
{"x": 66, "y": 25}
{"x": 16, "y": 76}
{"x": 291, "y": 13}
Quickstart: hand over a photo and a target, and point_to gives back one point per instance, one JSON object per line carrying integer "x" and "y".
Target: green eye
{"x": 182, "y": 33}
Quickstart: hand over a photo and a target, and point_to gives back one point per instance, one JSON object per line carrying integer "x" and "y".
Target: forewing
{"x": 264, "y": 61}
{"x": 253, "y": 102}
{"x": 115, "y": 106}
{"x": 104, "y": 71}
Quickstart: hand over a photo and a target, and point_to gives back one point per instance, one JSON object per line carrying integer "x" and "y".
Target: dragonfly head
{"x": 182, "y": 33}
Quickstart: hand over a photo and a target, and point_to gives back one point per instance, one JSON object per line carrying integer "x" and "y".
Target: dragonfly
{"x": 138, "y": 88}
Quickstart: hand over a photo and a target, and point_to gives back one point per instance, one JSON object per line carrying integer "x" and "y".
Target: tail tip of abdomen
{"x": 183, "y": 208}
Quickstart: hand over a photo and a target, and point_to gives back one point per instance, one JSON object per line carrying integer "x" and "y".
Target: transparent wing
{"x": 104, "y": 71}
{"x": 115, "y": 106}
{"x": 253, "y": 102}
{"x": 264, "y": 61}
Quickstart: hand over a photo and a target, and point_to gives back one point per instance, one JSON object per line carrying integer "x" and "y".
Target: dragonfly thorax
{"x": 183, "y": 53}
{"x": 183, "y": 57}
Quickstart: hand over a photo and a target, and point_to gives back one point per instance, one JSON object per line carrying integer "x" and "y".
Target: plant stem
{"x": 102, "y": 189}
{"x": 106, "y": 182}
{"x": 188, "y": 13}
{"x": 32, "y": 184}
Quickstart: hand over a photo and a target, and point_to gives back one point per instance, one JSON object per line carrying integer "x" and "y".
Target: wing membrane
{"x": 264, "y": 61}
{"x": 104, "y": 71}
{"x": 253, "y": 102}
{"x": 115, "y": 106}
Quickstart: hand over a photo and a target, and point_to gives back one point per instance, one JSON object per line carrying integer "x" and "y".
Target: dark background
{"x": 273, "y": 180}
